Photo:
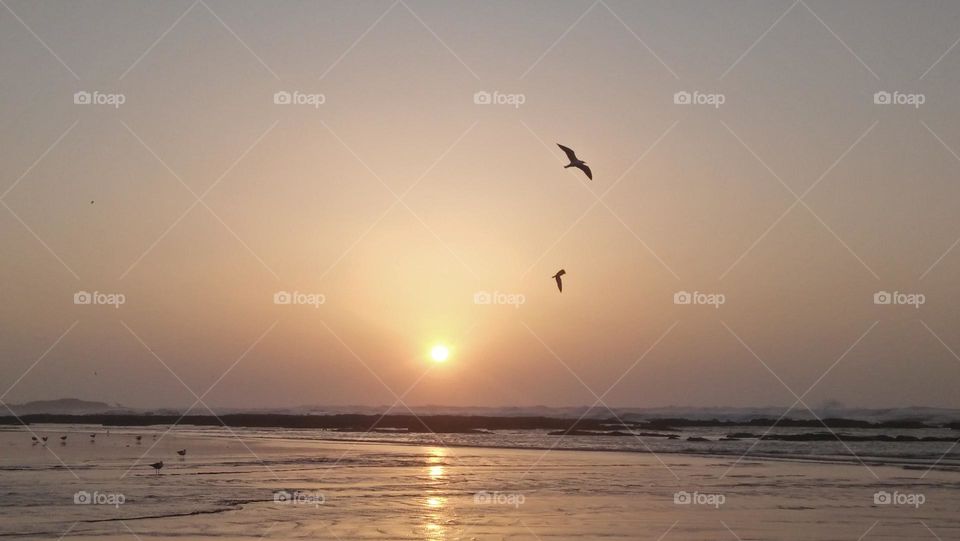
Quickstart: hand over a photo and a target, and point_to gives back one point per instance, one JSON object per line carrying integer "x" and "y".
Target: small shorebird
{"x": 44, "y": 438}
{"x": 63, "y": 438}
{"x": 139, "y": 438}
{"x": 157, "y": 466}
{"x": 182, "y": 452}
{"x": 34, "y": 438}
{"x": 557, "y": 276}
{"x": 575, "y": 162}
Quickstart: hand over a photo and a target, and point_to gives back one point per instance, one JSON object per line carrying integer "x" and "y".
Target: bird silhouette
{"x": 575, "y": 162}
{"x": 156, "y": 466}
{"x": 557, "y": 276}
{"x": 182, "y": 452}
{"x": 139, "y": 438}
{"x": 44, "y": 438}
{"x": 63, "y": 438}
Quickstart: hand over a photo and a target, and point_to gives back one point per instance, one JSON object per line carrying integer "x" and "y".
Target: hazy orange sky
{"x": 399, "y": 198}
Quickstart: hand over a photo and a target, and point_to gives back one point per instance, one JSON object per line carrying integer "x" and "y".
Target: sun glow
{"x": 440, "y": 353}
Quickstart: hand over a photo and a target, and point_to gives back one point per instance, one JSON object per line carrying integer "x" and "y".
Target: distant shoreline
{"x": 457, "y": 423}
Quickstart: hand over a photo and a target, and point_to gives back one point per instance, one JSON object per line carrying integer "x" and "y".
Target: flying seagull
{"x": 575, "y": 161}
{"x": 557, "y": 276}
{"x": 157, "y": 466}
{"x": 182, "y": 452}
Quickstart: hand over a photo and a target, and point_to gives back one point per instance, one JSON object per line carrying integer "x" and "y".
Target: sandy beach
{"x": 248, "y": 487}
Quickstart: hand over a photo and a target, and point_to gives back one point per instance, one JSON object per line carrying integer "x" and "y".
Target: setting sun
{"x": 439, "y": 353}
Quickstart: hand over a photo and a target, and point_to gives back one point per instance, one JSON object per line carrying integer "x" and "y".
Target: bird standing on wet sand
{"x": 182, "y": 452}
{"x": 156, "y": 466}
{"x": 557, "y": 276}
{"x": 575, "y": 162}
{"x": 63, "y": 439}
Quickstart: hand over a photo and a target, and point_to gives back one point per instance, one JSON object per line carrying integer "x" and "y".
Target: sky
{"x": 149, "y": 237}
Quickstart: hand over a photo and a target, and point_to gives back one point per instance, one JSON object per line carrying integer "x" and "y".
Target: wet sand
{"x": 254, "y": 487}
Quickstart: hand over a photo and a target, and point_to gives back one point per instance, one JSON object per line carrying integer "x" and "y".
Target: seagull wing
{"x": 557, "y": 276}
{"x": 571, "y": 155}
{"x": 586, "y": 169}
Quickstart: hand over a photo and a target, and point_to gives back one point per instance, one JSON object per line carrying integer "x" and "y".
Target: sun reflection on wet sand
{"x": 435, "y": 518}
{"x": 435, "y": 459}
{"x": 437, "y": 515}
